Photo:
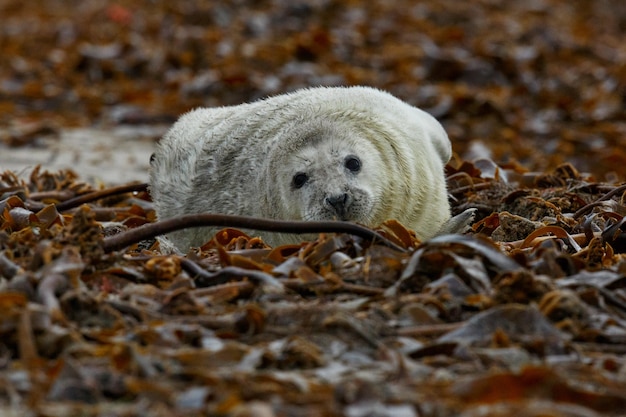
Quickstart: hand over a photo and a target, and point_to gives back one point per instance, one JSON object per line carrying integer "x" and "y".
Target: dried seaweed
{"x": 304, "y": 323}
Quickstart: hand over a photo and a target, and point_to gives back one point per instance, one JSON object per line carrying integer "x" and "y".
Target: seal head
{"x": 327, "y": 176}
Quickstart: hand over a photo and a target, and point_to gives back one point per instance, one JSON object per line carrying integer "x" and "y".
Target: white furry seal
{"x": 345, "y": 153}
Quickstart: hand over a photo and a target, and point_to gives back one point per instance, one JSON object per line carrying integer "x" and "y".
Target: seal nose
{"x": 339, "y": 203}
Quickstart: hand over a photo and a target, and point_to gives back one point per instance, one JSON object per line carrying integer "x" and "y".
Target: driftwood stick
{"x": 151, "y": 230}
{"x": 97, "y": 195}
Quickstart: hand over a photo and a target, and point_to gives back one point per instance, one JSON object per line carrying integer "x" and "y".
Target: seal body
{"x": 342, "y": 153}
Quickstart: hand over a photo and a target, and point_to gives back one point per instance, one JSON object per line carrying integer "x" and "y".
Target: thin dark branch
{"x": 51, "y": 194}
{"x": 204, "y": 278}
{"x": 97, "y": 195}
{"x": 148, "y": 231}
{"x": 607, "y": 196}
{"x": 471, "y": 187}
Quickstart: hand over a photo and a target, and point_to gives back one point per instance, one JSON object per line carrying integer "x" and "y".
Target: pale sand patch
{"x": 113, "y": 156}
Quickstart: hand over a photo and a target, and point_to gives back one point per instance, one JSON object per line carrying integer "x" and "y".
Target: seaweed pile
{"x": 525, "y": 313}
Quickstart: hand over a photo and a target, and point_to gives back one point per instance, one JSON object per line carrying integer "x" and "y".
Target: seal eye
{"x": 300, "y": 179}
{"x": 353, "y": 163}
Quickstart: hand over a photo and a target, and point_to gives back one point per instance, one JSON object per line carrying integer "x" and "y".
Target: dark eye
{"x": 300, "y": 179}
{"x": 353, "y": 163}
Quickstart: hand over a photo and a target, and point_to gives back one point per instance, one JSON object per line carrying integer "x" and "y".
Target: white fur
{"x": 242, "y": 160}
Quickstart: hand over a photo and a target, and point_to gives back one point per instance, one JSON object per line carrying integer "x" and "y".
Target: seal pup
{"x": 327, "y": 153}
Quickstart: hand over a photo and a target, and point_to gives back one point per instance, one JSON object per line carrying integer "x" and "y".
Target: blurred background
{"x": 92, "y": 84}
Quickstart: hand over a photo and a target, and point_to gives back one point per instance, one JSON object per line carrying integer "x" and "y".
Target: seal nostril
{"x": 338, "y": 202}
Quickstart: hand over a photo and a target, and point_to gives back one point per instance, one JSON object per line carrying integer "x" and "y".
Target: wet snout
{"x": 338, "y": 203}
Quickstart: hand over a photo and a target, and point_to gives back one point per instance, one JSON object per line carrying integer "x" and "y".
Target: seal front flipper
{"x": 459, "y": 223}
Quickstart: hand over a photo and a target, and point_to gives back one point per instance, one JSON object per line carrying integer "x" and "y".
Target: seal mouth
{"x": 342, "y": 217}
{"x": 337, "y": 217}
